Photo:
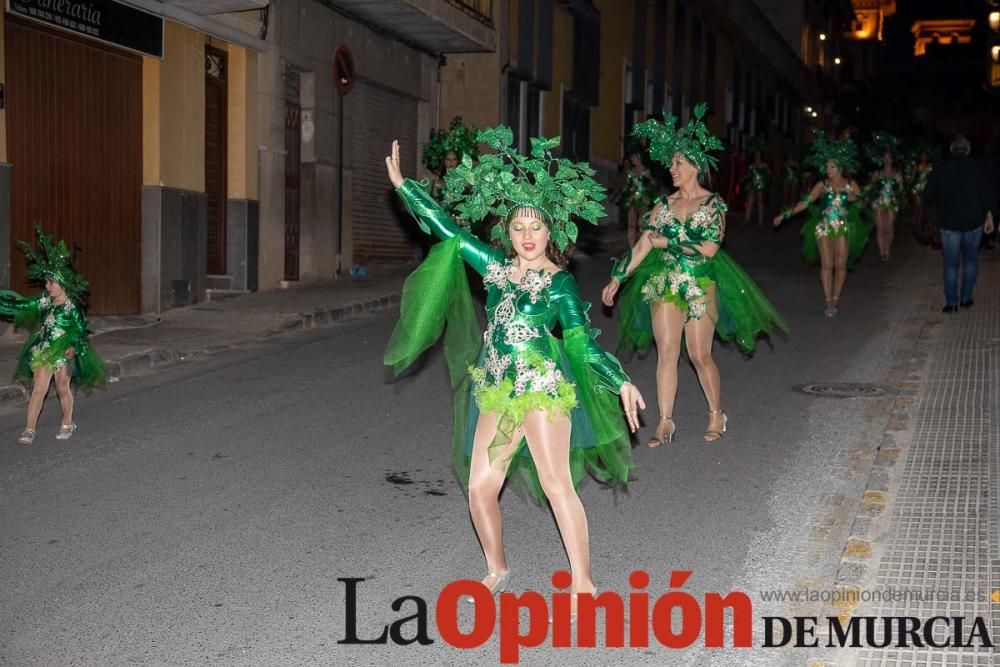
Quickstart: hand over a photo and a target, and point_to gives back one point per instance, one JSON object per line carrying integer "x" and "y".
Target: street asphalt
{"x": 204, "y": 513}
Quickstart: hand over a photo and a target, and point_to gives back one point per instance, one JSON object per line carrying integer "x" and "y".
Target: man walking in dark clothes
{"x": 962, "y": 200}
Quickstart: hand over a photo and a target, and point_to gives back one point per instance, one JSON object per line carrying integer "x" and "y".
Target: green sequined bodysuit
{"x": 887, "y": 191}
{"x": 55, "y": 329}
{"x": 639, "y": 191}
{"x": 834, "y": 216}
{"x": 522, "y": 366}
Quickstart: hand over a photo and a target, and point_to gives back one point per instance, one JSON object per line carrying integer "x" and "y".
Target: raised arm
{"x": 435, "y": 220}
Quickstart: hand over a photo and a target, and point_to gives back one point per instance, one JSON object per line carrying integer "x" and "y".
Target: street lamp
{"x": 809, "y": 109}
{"x": 822, "y": 37}
{"x": 836, "y": 61}
{"x": 815, "y": 114}
{"x": 994, "y": 20}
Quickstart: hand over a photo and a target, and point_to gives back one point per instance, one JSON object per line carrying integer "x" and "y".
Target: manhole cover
{"x": 842, "y": 389}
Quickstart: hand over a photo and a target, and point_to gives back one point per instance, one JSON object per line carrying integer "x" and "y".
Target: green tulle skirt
{"x": 742, "y": 312}
{"x": 599, "y": 443}
{"x": 86, "y": 367}
{"x": 857, "y": 228}
{"x": 435, "y": 301}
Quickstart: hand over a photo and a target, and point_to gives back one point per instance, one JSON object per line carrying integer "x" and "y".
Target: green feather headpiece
{"x": 842, "y": 151}
{"x": 882, "y": 143}
{"x": 53, "y": 261}
{"x": 459, "y": 138}
{"x": 504, "y": 182}
{"x": 693, "y": 141}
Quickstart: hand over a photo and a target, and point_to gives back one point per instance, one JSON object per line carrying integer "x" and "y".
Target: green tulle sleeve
{"x": 23, "y": 310}
{"x": 573, "y": 319}
{"x": 433, "y": 219}
{"x": 435, "y": 299}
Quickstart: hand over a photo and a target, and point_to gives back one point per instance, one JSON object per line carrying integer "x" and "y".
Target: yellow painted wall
{"x": 562, "y": 71}
{"x": 242, "y": 124}
{"x": 173, "y": 111}
{"x": 606, "y": 119}
{"x": 470, "y": 82}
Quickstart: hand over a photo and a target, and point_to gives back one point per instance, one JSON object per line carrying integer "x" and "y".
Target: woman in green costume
{"x": 58, "y": 345}
{"x": 835, "y": 234}
{"x": 757, "y": 181}
{"x": 681, "y": 284}
{"x": 543, "y": 410}
{"x": 638, "y": 191}
{"x": 887, "y": 189}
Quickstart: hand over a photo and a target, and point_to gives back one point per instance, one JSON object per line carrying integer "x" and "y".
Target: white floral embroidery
{"x": 44, "y": 302}
{"x": 664, "y": 218}
{"x": 57, "y": 332}
{"x": 519, "y": 332}
{"x": 498, "y": 274}
{"x": 533, "y": 282}
{"x": 530, "y": 378}
{"x": 680, "y": 284}
{"x": 496, "y": 365}
{"x": 50, "y": 320}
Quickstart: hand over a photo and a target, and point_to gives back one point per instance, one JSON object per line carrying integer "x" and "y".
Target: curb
{"x": 16, "y": 394}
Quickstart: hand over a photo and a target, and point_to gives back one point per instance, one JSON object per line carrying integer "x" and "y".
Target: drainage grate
{"x": 843, "y": 389}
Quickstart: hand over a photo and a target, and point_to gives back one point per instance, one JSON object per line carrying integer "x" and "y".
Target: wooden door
{"x": 216, "y": 110}
{"x": 74, "y": 133}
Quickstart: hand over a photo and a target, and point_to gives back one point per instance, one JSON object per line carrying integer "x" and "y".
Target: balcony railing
{"x": 480, "y": 9}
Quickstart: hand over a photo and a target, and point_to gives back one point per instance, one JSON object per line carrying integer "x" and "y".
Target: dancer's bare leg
{"x": 548, "y": 442}
{"x": 890, "y": 232}
{"x": 485, "y": 482}
{"x": 826, "y": 259}
{"x": 668, "y": 326}
{"x": 39, "y": 389}
{"x": 633, "y": 226}
{"x": 840, "y": 253}
{"x": 698, "y": 336}
{"x": 65, "y": 393}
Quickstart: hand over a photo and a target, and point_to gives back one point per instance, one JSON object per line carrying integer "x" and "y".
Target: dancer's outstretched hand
{"x": 778, "y": 219}
{"x": 392, "y": 165}
{"x": 632, "y": 402}
{"x": 609, "y": 291}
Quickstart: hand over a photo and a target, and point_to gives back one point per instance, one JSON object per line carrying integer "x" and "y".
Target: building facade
{"x": 136, "y": 146}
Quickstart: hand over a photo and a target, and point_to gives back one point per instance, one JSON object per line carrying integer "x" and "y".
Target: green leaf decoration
{"x": 505, "y": 180}
{"x": 458, "y": 138}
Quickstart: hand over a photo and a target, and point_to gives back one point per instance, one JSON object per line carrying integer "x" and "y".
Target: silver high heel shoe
{"x": 667, "y": 439}
{"x": 712, "y": 436}
{"x": 503, "y": 580}
{"x": 66, "y": 432}
{"x": 27, "y": 437}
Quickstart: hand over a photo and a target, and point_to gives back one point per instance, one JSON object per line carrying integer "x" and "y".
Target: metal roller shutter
{"x": 380, "y": 226}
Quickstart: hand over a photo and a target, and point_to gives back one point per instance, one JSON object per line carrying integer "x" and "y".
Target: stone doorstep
{"x": 135, "y": 363}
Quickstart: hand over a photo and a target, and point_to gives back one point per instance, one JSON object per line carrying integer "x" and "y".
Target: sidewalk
{"x": 926, "y": 542}
{"x": 131, "y": 345}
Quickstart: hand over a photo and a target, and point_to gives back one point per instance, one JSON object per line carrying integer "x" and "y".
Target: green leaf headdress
{"x": 459, "y": 138}
{"x": 505, "y": 183}
{"x": 693, "y": 141}
{"x": 882, "y": 143}
{"x": 53, "y": 261}
{"x": 842, "y": 151}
